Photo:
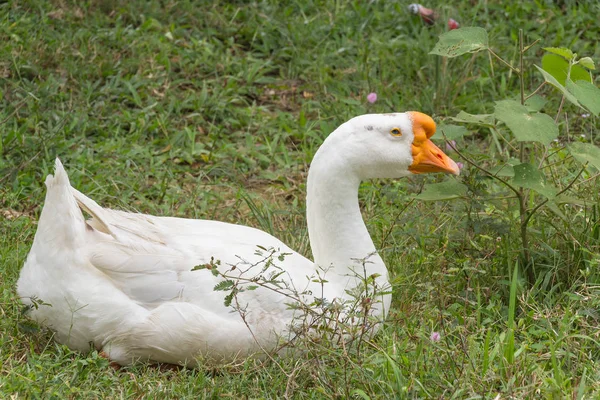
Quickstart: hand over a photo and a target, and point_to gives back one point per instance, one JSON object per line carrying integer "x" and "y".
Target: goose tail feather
{"x": 61, "y": 224}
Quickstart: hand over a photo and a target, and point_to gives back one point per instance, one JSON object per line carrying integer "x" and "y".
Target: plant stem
{"x": 562, "y": 100}
{"x": 524, "y": 238}
{"x": 522, "y": 86}
{"x": 533, "y": 210}
{"x": 523, "y": 194}
{"x": 471, "y": 162}
{"x": 536, "y": 90}
{"x": 588, "y": 179}
{"x": 502, "y": 61}
{"x": 521, "y": 71}
{"x": 531, "y": 45}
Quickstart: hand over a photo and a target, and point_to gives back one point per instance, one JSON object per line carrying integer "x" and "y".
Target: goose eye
{"x": 396, "y": 132}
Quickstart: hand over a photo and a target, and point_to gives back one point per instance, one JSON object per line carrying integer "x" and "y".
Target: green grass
{"x": 215, "y": 111}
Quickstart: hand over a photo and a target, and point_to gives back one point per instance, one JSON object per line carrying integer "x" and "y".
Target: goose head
{"x": 388, "y": 146}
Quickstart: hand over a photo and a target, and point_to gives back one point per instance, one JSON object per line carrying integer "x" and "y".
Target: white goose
{"x": 123, "y": 282}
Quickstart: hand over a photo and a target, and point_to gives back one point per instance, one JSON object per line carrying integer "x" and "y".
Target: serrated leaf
{"x": 551, "y": 80}
{"x": 558, "y": 67}
{"x": 447, "y": 190}
{"x": 223, "y": 285}
{"x": 479, "y": 119}
{"x": 228, "y": 299}
{"x": 526, "y": 126}
{"x": 535, "y": 103}
{"x": 461, "y": 41}
{"x": 561, "y": 51}
{"x": 587, "y": 94}
{"x": 528, "y": 176}
{"x": 453, "y": 132}
{"x": 585, "y": 152}
{"x": 588, "y": 63}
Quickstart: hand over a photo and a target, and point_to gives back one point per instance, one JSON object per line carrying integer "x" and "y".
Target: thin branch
{"x": 535, "y": 91}
{"x": 504, "y": 139}
{"x": 562, "y": 103}
{"x": 508, "y": 185}
{"x": 557, "y": 162}
{"x": 521, "y": 73}
{"x": 265, "y": 351}
{"x": 502, "y": 61}
{"x": 588, "y": 179}
{"x": 533, "y": 210}
{"x": 531, "y": 45}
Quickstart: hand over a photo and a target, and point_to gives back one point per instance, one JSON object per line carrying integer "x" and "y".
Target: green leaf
{"x": 479, "y": 119}
{"x": 585, "y": 152}
{"x": 587, "y": 94}
{"x": 361, "y": 394}
{"x": 526, "y": 126}
{"x": 587, "y": 62}
{"x": 565, "y": 199}
{"x": 551, "y": 80}
{"x": 223, "y": 285}
{"x": 447, "y": 190}
{"x": 535, "y": 103}
{"x": 561, "y": 51}
{"x": 228, "y": 299}
{"x": 461, "y": 41}
{"x": 558, "y": 67}
{"x": 453, "y": 132}
{"x": 528, "y": 176}
{"x": 151, "y": 25}
{"x": 552, "y": 206}
{"x": 505, "y": 170}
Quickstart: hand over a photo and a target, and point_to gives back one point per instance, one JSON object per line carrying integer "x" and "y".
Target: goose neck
{"x": 337, "y": 232}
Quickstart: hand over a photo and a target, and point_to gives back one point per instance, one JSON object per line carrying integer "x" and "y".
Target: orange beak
{"x": 427, "y": 157}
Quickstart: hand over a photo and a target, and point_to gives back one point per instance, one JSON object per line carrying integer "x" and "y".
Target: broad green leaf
{"x": 526, "y": 126}
{"x": 452, "y": 132}
{"x": 535, "y": 103}
{"x": 447, "y": 190}
{"x": 479, "y": 119}
{"x": 587, "y": 94}
{"x": 528, "y": 176}
{"x": 551, "y": 80}
{"x": 587, "y": 62}
{"x": 505, "y": 170}
{"x": 585, "y": 152}
{"x": 461, "y": 41}
{"x": 561, "y": 51}
{"x": 558, "y": 68}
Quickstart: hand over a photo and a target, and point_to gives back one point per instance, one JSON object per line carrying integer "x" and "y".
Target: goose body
{"x": 123, "y": 282}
